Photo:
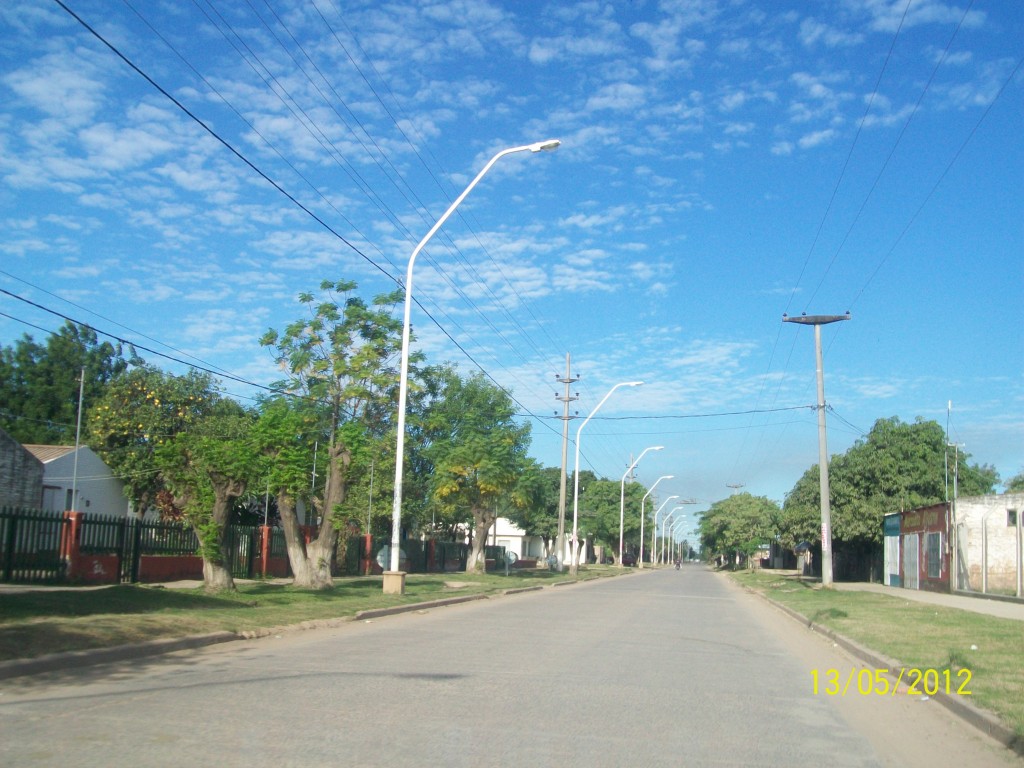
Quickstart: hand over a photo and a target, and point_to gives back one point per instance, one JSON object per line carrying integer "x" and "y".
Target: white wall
{"x": 1001, "y": 538}
{"x": 98, "y": 491}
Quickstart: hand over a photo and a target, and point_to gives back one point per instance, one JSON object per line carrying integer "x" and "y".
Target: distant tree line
{"x": 323, "y": 438}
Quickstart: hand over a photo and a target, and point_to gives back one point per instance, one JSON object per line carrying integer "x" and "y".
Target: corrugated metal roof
{"x": 47, "y": 453}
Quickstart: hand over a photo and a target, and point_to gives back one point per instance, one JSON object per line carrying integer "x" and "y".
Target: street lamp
{"x": 676, "y": 526}
{"x": 394, "y": 579}
{"x": 826, "y": 510}
{"x": 654, "y": 528}
{"x": 653, "y": 534}
{"x": 643, "y": 517}
{"x": 576, "y": 480}
{"x": 670, "y": 517}
{"x": 622, "y": 495}
{"x": 663, "y": 522}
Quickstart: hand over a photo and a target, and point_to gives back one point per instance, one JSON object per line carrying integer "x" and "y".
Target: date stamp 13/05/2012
{"x": 887, "y": 682}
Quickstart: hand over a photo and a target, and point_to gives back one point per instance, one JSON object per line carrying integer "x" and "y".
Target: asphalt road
{"x": 667, "y": 668}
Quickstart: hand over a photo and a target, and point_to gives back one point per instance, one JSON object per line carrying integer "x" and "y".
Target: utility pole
{"x": 826, "y": 512}
{"x": 565, "y": 398}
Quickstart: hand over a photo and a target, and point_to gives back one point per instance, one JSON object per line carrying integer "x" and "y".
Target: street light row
{"x": 394, "y": 579}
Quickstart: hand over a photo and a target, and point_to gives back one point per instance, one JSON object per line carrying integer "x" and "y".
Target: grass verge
{"x": 919, "y": 635}
{"x": 35, "y": 623}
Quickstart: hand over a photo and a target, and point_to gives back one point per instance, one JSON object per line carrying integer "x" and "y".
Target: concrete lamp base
{"x": 394, "y": 582}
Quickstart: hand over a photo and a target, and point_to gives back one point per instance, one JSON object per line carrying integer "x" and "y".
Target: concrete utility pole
{"x": 566, "y": 398}
{"x": 826, "y": 512}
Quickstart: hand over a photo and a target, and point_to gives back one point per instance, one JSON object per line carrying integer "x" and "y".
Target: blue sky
{"x": 722, "y": 163}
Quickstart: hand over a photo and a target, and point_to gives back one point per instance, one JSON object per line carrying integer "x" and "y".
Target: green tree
{"x": 739, "y": 525}
{"x": 601, "y": 509}
{"x": 343, "y": 357}
{"x": 139, "y": 411}
{"x": 39, "y": 384}
{"x": 478, "y": 454}
{"x": 207, "y": 469}
{"x": 1015, "y": 484}
{"x": 539, "y": 517}
{"x": 896, "y": 466}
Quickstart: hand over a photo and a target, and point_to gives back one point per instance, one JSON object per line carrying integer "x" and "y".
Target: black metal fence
{"x": 30, "y": 545}
{"x": 33, "y": 546}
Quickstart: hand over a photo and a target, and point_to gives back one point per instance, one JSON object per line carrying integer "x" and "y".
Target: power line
{"x": 281, "y": 190}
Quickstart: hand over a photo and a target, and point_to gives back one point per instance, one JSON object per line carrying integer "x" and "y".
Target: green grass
{"x": 36, "y": 623}
{"x": 918, "y": 635}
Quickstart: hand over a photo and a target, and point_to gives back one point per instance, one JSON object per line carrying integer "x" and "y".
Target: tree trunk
{"x": 482, "y": 522}
{"x": 217, "y": 577}
{"x": 310, "y": 563}
{"x": 216, "y": 559}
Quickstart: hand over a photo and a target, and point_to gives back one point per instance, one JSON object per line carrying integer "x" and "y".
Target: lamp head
{"x": 545, "y": 146}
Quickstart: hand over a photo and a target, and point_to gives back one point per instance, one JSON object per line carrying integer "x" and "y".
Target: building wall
{"x": 926, "y": 529}
{"x": 21, "y": 475}
{"x": 1001, "y": 537}
{"x": 98, "y": 491}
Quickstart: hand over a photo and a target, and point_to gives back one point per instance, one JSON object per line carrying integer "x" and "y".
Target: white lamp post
{"x": 394, "y": 580}
{"x": 654, "y": 529}
{"x": 673, "y": 530}
{"x": 662, "y": 556}
{"x": 574, "y": 567}
{"x": 643, "y": 517}
{"x": 622, "y": 496}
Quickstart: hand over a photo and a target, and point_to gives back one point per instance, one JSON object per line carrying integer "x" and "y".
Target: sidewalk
{"x": 1004, "y": 609}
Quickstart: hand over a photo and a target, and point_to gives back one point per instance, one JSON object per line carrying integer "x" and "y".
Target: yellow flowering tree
{"x": 139, "y": 411}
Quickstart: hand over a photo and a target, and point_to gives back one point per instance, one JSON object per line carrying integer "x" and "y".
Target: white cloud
{"x": 618, "y": 97}
{"x": 813, "y": 32}
{"x": 816, "y": 138}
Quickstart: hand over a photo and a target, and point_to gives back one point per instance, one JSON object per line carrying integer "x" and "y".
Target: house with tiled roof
{"x": 78, "y": 479}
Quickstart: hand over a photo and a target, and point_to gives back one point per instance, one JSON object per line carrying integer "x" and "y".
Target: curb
{"x": 983, "y": 720}
{"x": 57, "y": 661}
{"x": 375, "y": 613}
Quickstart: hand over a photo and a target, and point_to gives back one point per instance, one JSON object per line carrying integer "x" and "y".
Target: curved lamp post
{"x": 663, "y": 522}
{"x": 673, "y": 531}
{"x": 574, "y": 567}
{"x": 643, "y": 517}
{"x": 622, "y": 496}
{"x": 654, "y": 528}
{"x": 394, "y": 579}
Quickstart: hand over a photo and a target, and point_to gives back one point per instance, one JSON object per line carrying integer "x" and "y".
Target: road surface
{"x": 664, "y": 668}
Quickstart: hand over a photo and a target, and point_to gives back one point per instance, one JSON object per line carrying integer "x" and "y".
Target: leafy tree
{"x": 139, "y": 411}
{"x": 740, "y": 524}
{"x": 896, "y": 466}
{"x": 342, "y": 357}
{"x": 600, "y": 510}
{"x": 207, "y": 469}
{"x": 540, "y": 516}
{"x": 478, "y": 453}
{"x": 39, "y": 384}
{"x": 1016, "y": 483}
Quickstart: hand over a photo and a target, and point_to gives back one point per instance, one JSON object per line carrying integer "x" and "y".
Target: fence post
{"x": 367, "y": 554}
{"x": 12, "y": 530}
{"x": 70, "y": 552}
{"x": 264, "y": 549}
{"x": 136, "y": 554}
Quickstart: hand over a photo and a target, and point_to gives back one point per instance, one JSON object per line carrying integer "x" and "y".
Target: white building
{"x": 514, "y": 539}
{"x": 989, "y": 543}
{"x": 90, "y": 487}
